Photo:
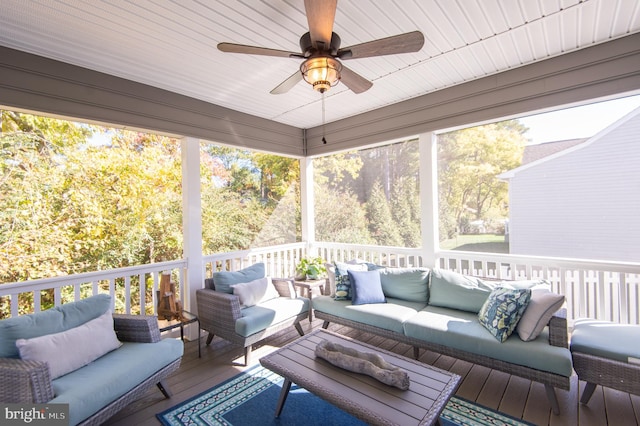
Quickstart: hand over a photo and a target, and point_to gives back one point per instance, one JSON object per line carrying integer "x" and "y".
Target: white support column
{"x": 429, "y": 196}
{"x": 307, "y": 199}
{"x": 191, "y": 225}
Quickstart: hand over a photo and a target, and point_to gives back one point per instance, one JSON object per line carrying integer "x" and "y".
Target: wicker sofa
{"x": 70, "y": 333}
{"x": 438, "y": 310}
{"x": 245, "y": 322}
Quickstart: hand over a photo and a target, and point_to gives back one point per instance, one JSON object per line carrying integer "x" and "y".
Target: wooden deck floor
{"x": 509, "y": 394}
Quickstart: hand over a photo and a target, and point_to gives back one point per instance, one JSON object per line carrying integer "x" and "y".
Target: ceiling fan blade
{"x": 320, "y": 16}
{"x": 354, "y": 81}
{"x": 255, "y": 50}
{"x": 288, "y": 84}
{"x": 402, "y": 43}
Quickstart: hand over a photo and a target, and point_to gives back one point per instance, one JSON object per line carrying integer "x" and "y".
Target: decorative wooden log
{"x": 169, "y": 306}
{"x": 368, "y": 363}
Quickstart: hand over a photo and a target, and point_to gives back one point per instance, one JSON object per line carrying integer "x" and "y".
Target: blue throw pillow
{"x": 366, "y": 287}
{"x": 502, "y": 311}
{"x": 222, "y": 281}
{"x": 343, "y": 283}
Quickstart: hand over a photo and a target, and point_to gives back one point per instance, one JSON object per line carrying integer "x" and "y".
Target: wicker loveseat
{"x": 438, "y": 310}
{"x": 271, "y": 305}
{"x": 37, "y": 349}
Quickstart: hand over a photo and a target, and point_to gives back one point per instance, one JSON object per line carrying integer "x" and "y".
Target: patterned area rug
{"x": 250, "y": 399}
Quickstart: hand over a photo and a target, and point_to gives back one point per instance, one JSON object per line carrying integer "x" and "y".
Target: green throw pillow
{"x": 502, "y": 311}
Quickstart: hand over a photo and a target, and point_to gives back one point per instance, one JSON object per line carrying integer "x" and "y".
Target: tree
{"x": 469, "y": 162}
{"x": 340, "y": 217}
{"x": 381, "y": 225}
{"x": 405, "y": 210}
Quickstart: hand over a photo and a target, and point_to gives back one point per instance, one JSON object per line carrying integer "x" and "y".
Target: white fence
{"x": 603, "y": 290}
{"x": 280, "y": 261}
{"x": 123, "y": 284}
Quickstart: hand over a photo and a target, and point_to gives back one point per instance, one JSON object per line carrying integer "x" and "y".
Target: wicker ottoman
{"x": 606, "y": 354}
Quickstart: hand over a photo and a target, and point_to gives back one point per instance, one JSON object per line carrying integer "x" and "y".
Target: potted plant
{"x": 310, "y": 268}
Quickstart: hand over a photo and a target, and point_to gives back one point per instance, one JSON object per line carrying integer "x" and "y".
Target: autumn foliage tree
{"x": 469, "y": 162}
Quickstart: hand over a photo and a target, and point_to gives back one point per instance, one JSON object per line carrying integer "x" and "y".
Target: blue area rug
{"x": 250, "y": 399}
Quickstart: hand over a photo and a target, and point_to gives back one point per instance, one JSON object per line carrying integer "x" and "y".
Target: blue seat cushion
{"x": 388, "y": 316}
{"x": 462, "y": 330}
{"x": 90, "y": 388}
{"x": 259, "y": 317}
{"x": 595, "y": 337}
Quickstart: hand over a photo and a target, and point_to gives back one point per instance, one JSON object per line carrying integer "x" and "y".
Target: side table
{"x": 187, "y": 318}
{"x": 307, "y": 288}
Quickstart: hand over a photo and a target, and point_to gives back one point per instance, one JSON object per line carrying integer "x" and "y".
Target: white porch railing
{"x": 602, "y": 290}
{"x": 280, "y": 261}
{"x": 123, "y": 284}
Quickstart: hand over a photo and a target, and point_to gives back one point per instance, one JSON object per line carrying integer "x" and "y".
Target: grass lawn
{"x": 488, "y": 243}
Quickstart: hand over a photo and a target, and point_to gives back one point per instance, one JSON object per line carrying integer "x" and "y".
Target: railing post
{"x": 307, "y": 201}
{"x": 191, "y": 225}
{"x": 427, "y": 143}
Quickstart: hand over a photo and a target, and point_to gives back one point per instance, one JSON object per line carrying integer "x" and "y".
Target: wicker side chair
{"x": 219, "y": 311}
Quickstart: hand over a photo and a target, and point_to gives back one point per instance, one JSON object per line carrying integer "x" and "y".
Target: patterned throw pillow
{"x": 343, "y": 284}
{"x": 502, "y": 311}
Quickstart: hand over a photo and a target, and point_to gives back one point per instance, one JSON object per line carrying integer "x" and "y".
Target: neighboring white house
{"x": 583, "y": 201}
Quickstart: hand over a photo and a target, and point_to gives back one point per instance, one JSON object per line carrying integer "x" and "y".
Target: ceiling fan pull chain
{"x": 324, "y": 141}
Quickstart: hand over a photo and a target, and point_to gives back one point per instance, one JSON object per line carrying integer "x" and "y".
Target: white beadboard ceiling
{"x": 171, "y": 44}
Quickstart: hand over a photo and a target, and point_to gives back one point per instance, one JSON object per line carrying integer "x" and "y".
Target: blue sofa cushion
{"x": 90, "y": 388}
{"x": 259, "y": 317}
{"x": 595, "y": 337}
{"x": 388, "y": 316}
{"x": 366, "y": 287}
{"x": 222, "y": 281}
{"x": 449, "y": 289}
{"x": 54, "y": 320}
{"x": 411, "y": 284}
{"x": 461, "y": 330}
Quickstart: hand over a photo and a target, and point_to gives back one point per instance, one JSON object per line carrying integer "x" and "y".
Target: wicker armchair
{"x": 219, "y": 311}
{"x": 23, "y": 381}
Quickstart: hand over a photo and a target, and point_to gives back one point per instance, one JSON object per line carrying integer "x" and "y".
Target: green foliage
{"x": 469, "y": 162}
{"x": 340, "y": 218}
{"x": 369, "y": 197}
{"x": 311, "y": 267}
{"x": 71, "y": 205}
{"x": 381, "y": 224}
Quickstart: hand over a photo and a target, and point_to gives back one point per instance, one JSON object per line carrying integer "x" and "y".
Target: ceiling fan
{"x": 322, "y": 53}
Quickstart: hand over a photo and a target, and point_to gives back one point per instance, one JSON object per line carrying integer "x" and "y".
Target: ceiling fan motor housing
{"x": 307, "y": 49}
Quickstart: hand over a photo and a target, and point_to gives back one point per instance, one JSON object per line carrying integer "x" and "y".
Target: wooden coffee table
{"x": 359, "y": 394}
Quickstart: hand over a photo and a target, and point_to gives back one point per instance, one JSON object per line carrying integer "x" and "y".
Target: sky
{"x": 577, "y": 122}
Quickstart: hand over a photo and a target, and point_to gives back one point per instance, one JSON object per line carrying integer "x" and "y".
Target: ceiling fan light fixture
{"x": 321, "y": 72}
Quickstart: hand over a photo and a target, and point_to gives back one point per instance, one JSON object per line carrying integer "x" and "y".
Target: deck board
{"x": 512, "y": 395}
